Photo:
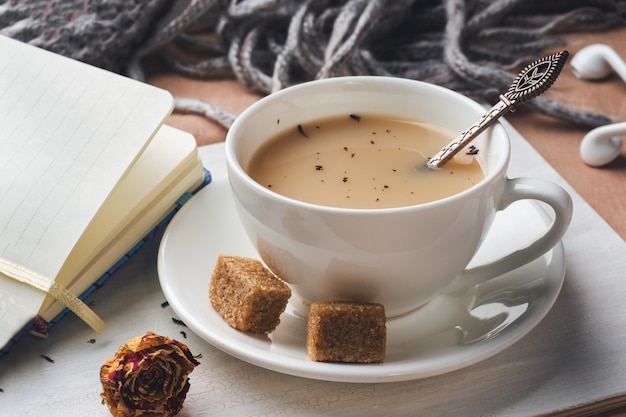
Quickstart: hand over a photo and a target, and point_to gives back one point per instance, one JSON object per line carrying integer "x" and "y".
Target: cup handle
{"x": 519, "y": 189}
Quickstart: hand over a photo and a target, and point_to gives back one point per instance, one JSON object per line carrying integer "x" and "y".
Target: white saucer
{"x": 452, "y": 331}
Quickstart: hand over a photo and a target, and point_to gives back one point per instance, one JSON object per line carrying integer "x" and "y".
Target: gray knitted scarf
{"x": 471, "y": 46}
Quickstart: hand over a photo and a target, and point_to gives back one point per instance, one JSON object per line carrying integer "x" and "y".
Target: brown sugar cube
{"x": 346, "y": 332}
{"x": 247, "y": 295}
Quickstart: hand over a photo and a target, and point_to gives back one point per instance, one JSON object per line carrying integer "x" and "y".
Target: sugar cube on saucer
{"x": 247, "y": 295}
{"x": 346, "y": 332}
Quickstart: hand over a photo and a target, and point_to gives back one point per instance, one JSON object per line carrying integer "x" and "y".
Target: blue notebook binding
{"x": 39, "y": 327}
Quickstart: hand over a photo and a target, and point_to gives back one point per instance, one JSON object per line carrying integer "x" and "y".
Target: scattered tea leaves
{"x": 179, "y": 322}
{"x": 355, "y": 117}
{"x": 301, "y": 131}
{"x": 48, "y": 358}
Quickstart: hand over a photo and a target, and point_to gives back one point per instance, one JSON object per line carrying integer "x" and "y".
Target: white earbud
{"x": 595, "y": 62}
{"x": 603, "y": 144}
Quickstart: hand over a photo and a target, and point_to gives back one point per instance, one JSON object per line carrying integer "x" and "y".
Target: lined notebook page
{"x": 68, "y": 133}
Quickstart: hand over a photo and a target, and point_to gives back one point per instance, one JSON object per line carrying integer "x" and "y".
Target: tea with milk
{"x": 362, "y": 161}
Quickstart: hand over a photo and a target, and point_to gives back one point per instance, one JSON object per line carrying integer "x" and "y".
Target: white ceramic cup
{"x": 400, "y": 257}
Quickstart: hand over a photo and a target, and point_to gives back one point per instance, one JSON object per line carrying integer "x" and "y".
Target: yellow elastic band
{"x": 21, "y": 274}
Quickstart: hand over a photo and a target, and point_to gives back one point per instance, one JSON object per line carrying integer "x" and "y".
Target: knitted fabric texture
{"x": 474, "y": 47}
{"x": 102, "y": 33}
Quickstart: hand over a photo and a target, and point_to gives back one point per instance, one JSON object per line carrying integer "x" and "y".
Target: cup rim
{"x": 234, "y": 167}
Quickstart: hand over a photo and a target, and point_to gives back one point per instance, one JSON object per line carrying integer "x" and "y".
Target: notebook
{"x": 87, "y": 171}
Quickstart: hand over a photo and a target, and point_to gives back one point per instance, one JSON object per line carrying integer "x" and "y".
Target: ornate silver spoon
{"x": 531, "y": 82}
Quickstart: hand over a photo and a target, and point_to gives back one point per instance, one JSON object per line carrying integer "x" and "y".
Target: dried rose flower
{"x": 148, "y": 376}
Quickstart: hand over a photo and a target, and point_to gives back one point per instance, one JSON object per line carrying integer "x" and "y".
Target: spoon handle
{"x": 452, "y": 148}
{"x": 532, "y": 81}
